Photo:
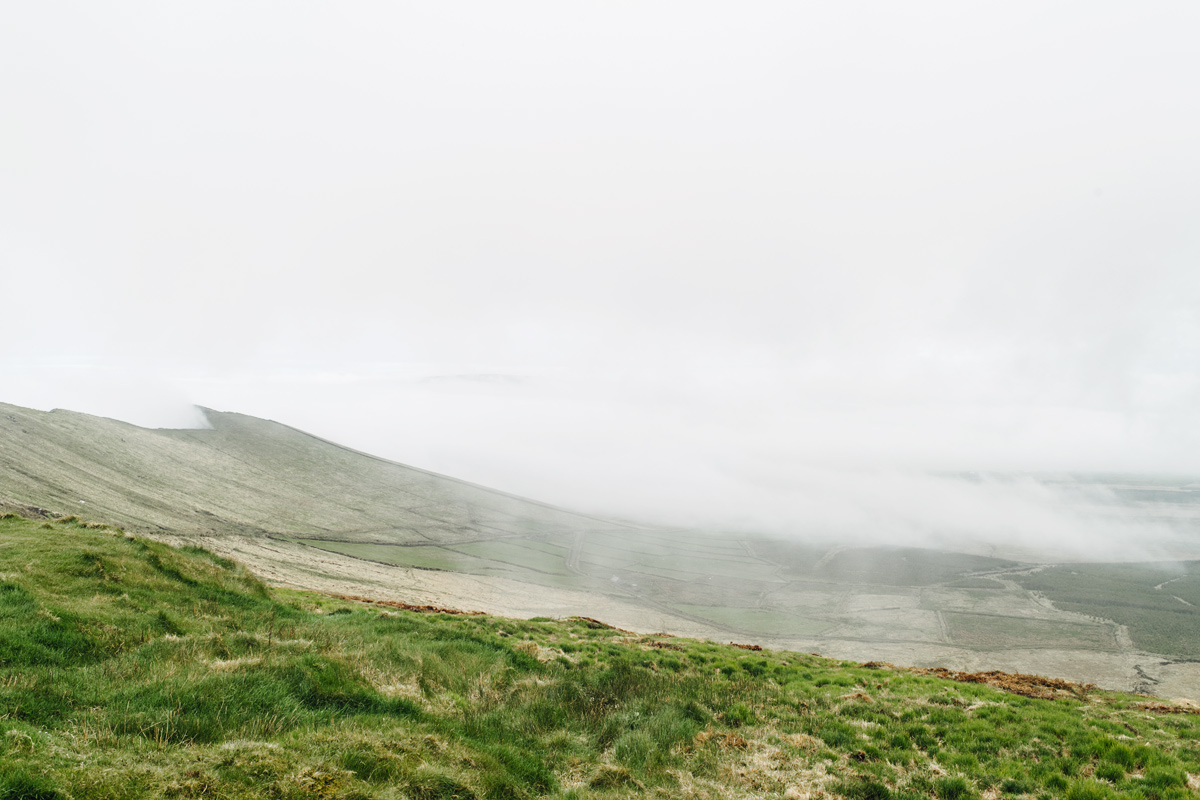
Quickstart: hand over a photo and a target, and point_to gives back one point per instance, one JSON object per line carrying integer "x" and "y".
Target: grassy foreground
{"x": 131, "y": 669}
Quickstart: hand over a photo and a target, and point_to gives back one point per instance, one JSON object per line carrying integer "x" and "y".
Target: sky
{"x": 693, "y": 261}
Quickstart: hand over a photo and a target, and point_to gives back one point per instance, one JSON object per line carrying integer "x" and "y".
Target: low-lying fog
{"x": 811, "y": 270}
{"x": 717, "y": 461}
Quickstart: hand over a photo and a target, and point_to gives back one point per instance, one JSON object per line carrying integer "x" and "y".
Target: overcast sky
{"x": 604, "y": 253}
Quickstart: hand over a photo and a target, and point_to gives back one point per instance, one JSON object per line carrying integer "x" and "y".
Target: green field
{"x": 991, "y": 632}
{"x": 905, "y": 566}
{"x": 420, "y": 556}
{"x": 757, "y": 620}
{"x": 498, "y": 558}
{"x": 681, "y": 566}
{"x": 1165, "y": 620}
{"x": 550, "y": 559}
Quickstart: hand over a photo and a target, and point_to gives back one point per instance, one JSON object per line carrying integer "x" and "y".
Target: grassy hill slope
{"x": 132, "y": 669}
{"x": 249, "y": 475}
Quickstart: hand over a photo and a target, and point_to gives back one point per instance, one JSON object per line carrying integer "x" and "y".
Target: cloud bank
{"x": 698, "y": 244}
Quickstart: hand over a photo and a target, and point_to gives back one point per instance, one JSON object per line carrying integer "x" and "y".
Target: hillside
{"x": 251, "y": 476}
{"x": 304, "y": 512}
{"x": 132, "y": 669}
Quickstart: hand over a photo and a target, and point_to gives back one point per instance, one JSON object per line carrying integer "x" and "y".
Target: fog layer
{"x": 768, "y": 266}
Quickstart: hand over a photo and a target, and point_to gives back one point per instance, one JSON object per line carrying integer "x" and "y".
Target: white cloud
{"x": 872, "y": 237}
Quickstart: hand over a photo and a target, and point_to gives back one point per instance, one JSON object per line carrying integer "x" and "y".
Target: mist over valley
{"x": 303, "y": 511}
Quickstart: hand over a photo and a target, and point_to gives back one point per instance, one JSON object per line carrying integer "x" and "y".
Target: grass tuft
{"x": 21, "y": 785}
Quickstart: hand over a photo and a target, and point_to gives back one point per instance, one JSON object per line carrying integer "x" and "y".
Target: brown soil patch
{"x": 1034, "y": 686}
{"x": 727, "y": 740}
{"x": 28, "y": 512}
{"x": 665, "y": 645}
{"x": 424, "y": 609}
{"x": 615, "y": 778}
{"x": 596, "y": 624}
{"x": 803, "y": 741}
{"x": 866, "y": 698}
{"x": 1016, "y": 683}
{"x": 1166, "y": 708}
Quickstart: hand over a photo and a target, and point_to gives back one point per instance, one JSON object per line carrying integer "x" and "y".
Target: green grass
{"x": 421, "y": 556}
{"x": 499, "y": 558}
{"x": 131, "y": 669}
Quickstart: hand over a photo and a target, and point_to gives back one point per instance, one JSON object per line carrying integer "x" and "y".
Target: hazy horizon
{"x": 780, "y": 263}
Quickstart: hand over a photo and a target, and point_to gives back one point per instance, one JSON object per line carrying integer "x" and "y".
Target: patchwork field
{"x": 1157, "y": 602}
